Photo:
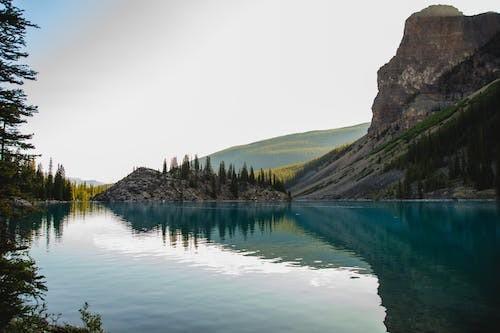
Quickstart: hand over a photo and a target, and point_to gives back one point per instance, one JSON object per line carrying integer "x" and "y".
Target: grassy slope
{"x": 289, "y": 149}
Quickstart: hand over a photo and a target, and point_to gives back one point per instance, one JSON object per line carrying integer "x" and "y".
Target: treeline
{"x": 195, "y": 172}
{"x": 48, "y": 186}
{"x": 463, "y": 150}
{"x": 35, "y": 184}
{"x": 85, "y": 192}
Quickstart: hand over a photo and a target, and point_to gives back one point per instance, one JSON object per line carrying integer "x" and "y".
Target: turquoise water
{"x": 305, "y": 267}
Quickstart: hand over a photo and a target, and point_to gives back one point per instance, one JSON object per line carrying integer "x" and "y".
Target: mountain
{"x": 79, "y": 181}
{"x": 433, "y": 131}
{"x": 289, "y": 149}
{"x": 423, "y": 77}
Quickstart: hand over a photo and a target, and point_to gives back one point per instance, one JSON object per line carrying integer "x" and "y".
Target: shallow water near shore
{"x": 300, "y": 267}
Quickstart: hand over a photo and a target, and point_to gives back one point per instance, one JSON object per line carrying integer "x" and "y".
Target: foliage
{"x": 463, "y": 149}
{"x": 92, "y": 321}
{"x": 13, "y": 73}
{"x": 21, "y": 286}
{"x": 235, "y": 180}
{"x": 288, "y": 172}
{"x": 19, "y": 280}
{"x": 85, "y": 192}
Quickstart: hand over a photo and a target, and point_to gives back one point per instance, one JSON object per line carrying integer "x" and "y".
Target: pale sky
{"x": 125, "y": 83}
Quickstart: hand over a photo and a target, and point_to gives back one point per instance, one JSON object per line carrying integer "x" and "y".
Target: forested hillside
{"x": 454, "y": 153}
{"x": 463, "y": 151}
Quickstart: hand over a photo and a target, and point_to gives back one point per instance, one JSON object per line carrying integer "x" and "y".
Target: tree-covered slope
{"x": 289, "y": 149}
{"x": 454, "y": 153}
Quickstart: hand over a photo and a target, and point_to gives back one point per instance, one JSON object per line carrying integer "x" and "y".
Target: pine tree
{"x": 251, "y": 176}
{"x": 244, "y": 173}
{"x": 196, "y": 164}
{"x": 49, "y": 183}
{"x": 233, "y": 186}
{"x": 213, "y": 186}
{"x": 222, "y": 173}
{"x": 262, "y": 177}
{"x": 164, "y": 170}
{"x": 185, "y": 168}
{"x": 40, "y": 183}
{"x": 208, "y": 166}
{"x": 13, "y": 102}
{"x": 58, "y": 189}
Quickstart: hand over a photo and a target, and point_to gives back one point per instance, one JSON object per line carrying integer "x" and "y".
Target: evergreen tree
{"x": 213, "y": 186}
{"x": 196, "y": 164}
{"x": 14, "y": 109}
{"x": 222, "y": 173}
{"x": 40, "y": 183}
{"x": 164, "y": 170}
{"x": 251, "y": 176}
{"x": 262, "y": 177}
{"x": 208, "y": 166}
{"x": 68, "y": 191}
{"x": 58, "y": 189}
{"x": 49, "y": 183}
{"x": 185, "y": 167}
{"x": 233, "y": 186}
{"x": 244, "y": 173}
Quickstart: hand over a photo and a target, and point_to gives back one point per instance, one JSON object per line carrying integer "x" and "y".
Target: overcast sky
{"x": 125, "y": 83}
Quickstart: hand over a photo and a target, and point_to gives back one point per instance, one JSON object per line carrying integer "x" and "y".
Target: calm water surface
{"x": 305, "y": 267}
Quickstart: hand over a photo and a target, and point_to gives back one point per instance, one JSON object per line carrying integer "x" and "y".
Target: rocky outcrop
{"x": 423, "y": 76}
{"x": 150, "y": 185}
{"x": 445, "y": 59}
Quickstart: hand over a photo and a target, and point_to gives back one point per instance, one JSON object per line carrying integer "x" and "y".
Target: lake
{"x": 300, "y": 267}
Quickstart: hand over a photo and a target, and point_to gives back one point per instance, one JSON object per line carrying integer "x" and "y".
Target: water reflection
{"x": 435, "y": 264}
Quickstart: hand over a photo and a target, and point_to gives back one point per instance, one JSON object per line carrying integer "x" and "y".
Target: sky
{"x": 126, "y": 83}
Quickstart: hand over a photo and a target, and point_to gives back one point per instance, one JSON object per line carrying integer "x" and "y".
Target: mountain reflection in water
{"x": 434, "y": 266}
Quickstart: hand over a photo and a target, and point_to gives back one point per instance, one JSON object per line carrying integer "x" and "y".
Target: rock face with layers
{"x": 443, "y": 60}
{"x": 435, "y": 41}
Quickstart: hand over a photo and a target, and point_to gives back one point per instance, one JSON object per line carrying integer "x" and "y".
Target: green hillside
{"x": 289, "y": 149}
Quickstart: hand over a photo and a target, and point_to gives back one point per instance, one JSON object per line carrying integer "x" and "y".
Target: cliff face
{"x": 435, "y": 41}
{"x": 444, "y": 64}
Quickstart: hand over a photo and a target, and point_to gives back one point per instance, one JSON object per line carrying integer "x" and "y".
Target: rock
{"x": 444, "y": 57}
{"x": 150, "y": 185}
{"x": 436, "y": 41}
{"x": 21, "y": 203}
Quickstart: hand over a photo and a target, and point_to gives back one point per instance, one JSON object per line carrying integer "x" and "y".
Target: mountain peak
{"x": 439, "y": 10}
{"x": 435, "y": 40}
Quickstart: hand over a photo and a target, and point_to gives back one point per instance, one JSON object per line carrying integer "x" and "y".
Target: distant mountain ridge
{"x": 79, "y": 181}
{"x": 289, "y": 149}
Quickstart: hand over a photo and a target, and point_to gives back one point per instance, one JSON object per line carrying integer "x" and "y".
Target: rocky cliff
{"x": 418, "y": 79}
{"x": 429, "y": 93}
{"x": 150, "y": 185}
